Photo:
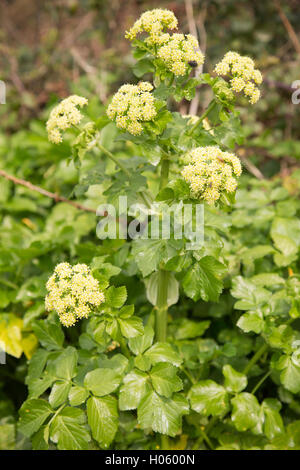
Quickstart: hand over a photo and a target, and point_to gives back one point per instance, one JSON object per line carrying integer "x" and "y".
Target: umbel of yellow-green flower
{"x": 153, "y": 22}
{"x": 242, "y": 73}
{"x": 131, "y": 106}
{"x": 211, "y": 172}
{"x": 64, "y": 116}
{"x": 176, "y": 51}
{"x": 179, "y": 52}
{"x": 73, "y": 293}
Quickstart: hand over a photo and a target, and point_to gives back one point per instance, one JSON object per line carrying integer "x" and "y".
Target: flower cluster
{"x": 154, "y": 22}
{"x": 132, "y": 105}
{"x": 211, "y": 172}
{"x": 64, "y": 116}
{"x": 181, "y": 52}
{"x": 244, "y": 76}
{"x": 73, "y": 292}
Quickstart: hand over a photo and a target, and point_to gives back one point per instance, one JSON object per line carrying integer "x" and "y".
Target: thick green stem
{"x": 164, "y": 174}
{"x": 203, "y": 116}
{"x": 162, "y": 306}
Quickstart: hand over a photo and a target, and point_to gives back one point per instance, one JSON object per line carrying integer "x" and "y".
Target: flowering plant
{"x": 145, "y": 370}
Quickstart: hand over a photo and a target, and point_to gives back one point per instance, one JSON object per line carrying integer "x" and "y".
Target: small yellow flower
{"x": 64, "y": 116}
{"x": 179, "y": 52}
{"x": 211, "y": 172}
{"x": 244, "y": 76}
{"x": 131, "y": 106}
{"x": 72, "y": 292}
{"x": 153, "y": 22}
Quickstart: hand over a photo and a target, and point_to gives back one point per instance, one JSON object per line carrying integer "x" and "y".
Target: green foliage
{"x": 226, "y": 374}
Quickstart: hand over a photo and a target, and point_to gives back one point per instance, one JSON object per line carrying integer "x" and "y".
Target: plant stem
{"x": 164, "y": 175}
{"x": 124, "y": 348}
{"x": 261, "y": 382}
{"x": 255, "y": 358}
{"x": 164, "y": 443}
{"x": 162, "y": 306}
{"x": 114, "y": 159}
{"x": 203, "y": 116}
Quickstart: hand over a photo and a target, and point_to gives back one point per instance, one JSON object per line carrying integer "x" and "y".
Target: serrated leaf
{"x": 49, "y": 334}
{"x": 208, "y": 398}
{"x": 134, "y": 388}
{"x": 67, "y": 430}
{"x": 163, "y": 352}
{"x": 245, "y": 411}
{"x": 273, "y": 424}
{"x": 191, "y": 329}
{"x": 202, "y": 281}
{"x": 251, "y": 322}
{"x": 59, "y": 393}
{"x": 116, "y": 296}
{"x": 165, "y": 380}
{"x": 103, "y": 419}
{"x": 33, "y": 414}
{"x": 102, "y": 381}
{"x": 131, "y": 327}
{"x": 139, "y": 344}
{"x": 234, "y": 381}
{"x": 77, "y": 395}
{"x": 64, "y": 366}
{"x": 161, "y": 414}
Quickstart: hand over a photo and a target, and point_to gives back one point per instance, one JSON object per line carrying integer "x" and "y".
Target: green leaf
{"x": 49, "y": 334}
{"x": 165, "y": 380}
{"x": 103, "y": 419}
{"x": 251, "y": 322}
{"x": 116, "y": 296}
{"x": 131, "y": 327}
{"x": 290, "y": 375}
{"x": 41, "y": 438}
{"x": 77, "y": 395}
{"x": 7, "y": 436}
{"x": 208, "y": 398}
{"x": 59, "y": 393}
{"x": 202, "y": 281}
{"x": 64, "y": 366}
{"x": 273, "y": 424}
{"x": 163, "y": 352}
{"x": 33, "y": 414}
{"x": 139, "y": 344}
{"x": 234, "y": 381}
{"x": 245, "y": 411}
{"x": 102, "y": 381}
{"x": 142, "y": 67}
{"x": 191, "y": 329}
{"x": 252, "y": 297}
{"x": 67, "y": 430}
{"x": 149, "y": 253}
{"x": 135, "y": 386}
{"x": 161, "y": 414}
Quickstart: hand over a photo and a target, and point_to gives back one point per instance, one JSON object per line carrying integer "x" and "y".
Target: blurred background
{"x": 52, "y": 48}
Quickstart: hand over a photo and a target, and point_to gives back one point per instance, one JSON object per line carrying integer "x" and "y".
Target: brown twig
{"x": 54, "y": 196}
{"x": 193, "y": 30}
{"x": 251, "y": 168}
{"x": 290, "y": 30}
{"x": 91, "y": 71}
